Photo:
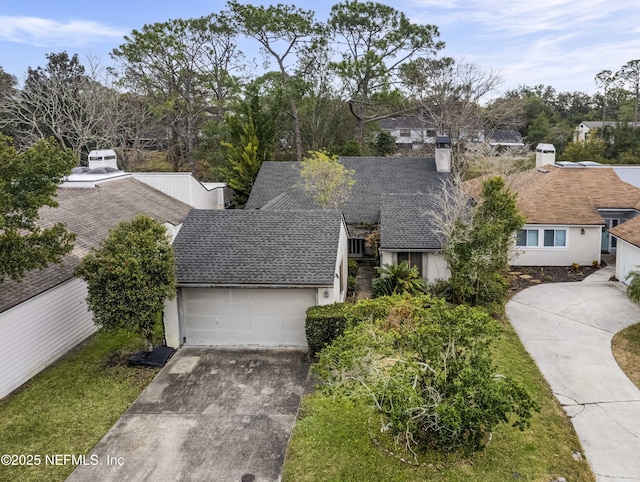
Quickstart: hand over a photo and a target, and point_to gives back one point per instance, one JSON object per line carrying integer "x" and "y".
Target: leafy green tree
{"x": 629, "y": 74}
{"x": 427, "y": 370}
{"x": 130, "y": 276}
{"x": 592, "y": 149}
{"x": 374, "y": 40}
{"x": 349, "y": 148}
{"x": 327, "y": 181}
{"x": 539, "y": 130}
{"x": 281, "y": 30}
{"x": 178, "y": 65}
{"x": 398, "y": 279}
{"x": 478, "y": 249}
{"x": 605, "y": 79}
{"x": 325, "y": 122}
{"x": 384, "y": 144}
{"x": 8, "y": 89}
{"x": 28, "y": 181}
{"x": 244, "y": 164}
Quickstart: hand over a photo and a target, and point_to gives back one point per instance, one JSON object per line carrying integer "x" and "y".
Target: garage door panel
{"x": 237, "y": 316}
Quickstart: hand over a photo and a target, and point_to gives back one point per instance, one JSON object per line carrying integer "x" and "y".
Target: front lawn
{"x": 331, "y": 440}
{"x": 68, "y": 408}
{"x": 626, "y": 350}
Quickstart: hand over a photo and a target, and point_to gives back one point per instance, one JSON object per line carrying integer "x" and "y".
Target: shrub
{"x": 353, "y": 267}
{"x": 427, "y": 370}
{"x": 324, "y": 324}
{"x": 351, "y": 283}
{"x": 397, "y": 279}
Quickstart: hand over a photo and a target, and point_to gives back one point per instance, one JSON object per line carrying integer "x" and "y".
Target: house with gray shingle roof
{"x": 409, "y": 233}
{"x": 393, "y": 194}
{"x": 44, "y": 315}
{"x": 247, "y": 277}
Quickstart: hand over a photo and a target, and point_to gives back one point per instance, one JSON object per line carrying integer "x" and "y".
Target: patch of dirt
{"x": 521, "y": 277}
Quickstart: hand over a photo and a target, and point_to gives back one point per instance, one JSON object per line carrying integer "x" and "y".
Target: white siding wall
{"x": 581, "y": 248}
{"x": 183, "y": 187}
{"x": 627, "y": 259}
{"x": 335, "y": 294}
{"x": 39, "y": 331}
{"x": 437, "y": 268}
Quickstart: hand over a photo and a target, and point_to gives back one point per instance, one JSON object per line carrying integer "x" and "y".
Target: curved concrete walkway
{"x": 567, "y": 328}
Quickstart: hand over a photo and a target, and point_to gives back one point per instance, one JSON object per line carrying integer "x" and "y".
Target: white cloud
{"x": 44, "y": 32}
{"x": 562, "y": 43}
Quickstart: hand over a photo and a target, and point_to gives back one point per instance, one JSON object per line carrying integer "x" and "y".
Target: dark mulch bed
{"x": 521, "y": 277}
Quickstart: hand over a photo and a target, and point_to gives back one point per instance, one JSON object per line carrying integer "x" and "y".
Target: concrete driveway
{"x": 567, "y": 328}
{"x": 210, "y": 414}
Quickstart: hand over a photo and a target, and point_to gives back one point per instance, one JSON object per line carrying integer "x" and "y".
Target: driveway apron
{"x": 209, "y": 415}
{"x": 567, "y": 328}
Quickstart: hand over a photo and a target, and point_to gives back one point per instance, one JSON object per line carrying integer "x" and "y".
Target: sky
{"x": 561, "y": 43}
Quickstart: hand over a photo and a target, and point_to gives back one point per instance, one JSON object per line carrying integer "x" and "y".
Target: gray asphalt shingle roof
{"x": 90, "y": 213}
{"x": 406, "y": 222}
{"x": 255, "y": 247}
{"x": 284, "y": 202}
{"x": 373, "y": 175}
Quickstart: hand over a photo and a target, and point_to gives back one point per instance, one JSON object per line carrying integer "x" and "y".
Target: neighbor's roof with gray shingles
{"x": 241, "y": 247}
{"x": 373, "y": 175}
{"x": 90, "y": 213}
{"x": 406, "y": 222}
{"x": 284, "y": 202}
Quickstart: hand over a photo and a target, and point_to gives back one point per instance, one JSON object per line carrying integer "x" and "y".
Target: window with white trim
{"x": 555, "y": 238}
{"x": 527, "y": 237}
{"x": 549, "y": 238}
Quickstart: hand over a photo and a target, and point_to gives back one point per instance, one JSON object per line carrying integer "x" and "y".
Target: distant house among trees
{"x": 409, "y": 132}
{"x": 583, "y": 130}
{"x": 413, "y": 132}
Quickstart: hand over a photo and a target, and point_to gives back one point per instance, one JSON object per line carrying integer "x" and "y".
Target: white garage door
{"x": 245, "y": 316}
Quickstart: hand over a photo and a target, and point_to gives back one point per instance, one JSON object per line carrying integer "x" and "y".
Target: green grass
{"x": 626, "y": 350}
{"x": 331, "y": 441}
{"x": 67, "y": 408}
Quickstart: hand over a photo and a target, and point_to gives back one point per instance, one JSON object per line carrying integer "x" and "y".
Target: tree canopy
{"x": 130, "y": 276}
{"x": 479, "y": 240}
{"x": 326, "y": 180}
{"x": 28, "y": 181}
{"x": 374, "y": 41}
{"x": 327, "y": 85}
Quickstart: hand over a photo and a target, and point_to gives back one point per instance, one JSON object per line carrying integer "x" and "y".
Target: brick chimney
{"x": 443, "y": 154}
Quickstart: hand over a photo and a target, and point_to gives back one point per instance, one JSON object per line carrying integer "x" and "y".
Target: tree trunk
{"x": 148, "y": 343}
{"x": 296, "y": 131}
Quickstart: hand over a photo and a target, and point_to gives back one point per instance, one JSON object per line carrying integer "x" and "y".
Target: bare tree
{"x": 450, "y": 94}
{"x": 66, "y": 102}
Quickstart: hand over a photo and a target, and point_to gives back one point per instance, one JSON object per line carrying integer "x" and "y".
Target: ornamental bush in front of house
{"x": 426, "y": 369}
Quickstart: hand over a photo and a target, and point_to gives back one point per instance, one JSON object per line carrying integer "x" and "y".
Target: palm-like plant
{"x": 397, "y": 279}
{"x": 633, "y": 290}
